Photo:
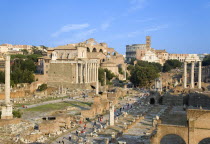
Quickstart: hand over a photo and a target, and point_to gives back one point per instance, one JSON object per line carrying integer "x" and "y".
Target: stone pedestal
{"x": 6, "y": 112}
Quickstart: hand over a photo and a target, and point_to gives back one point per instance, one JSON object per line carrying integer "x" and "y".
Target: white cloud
{"x": 105, "y": 25}
{"x": 156, "y": 28}
{"x": 70, "y": 27}
{"x": 136, "y": 4}
{"x": 84, "y": 34}
{"x": 77, "y": 37}
{"x": 133, "y": 34}
{"x": 145, "y": 20}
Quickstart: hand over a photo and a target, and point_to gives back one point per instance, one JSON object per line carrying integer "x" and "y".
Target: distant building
{"x": 146, "y": 53}
{"x": 75, "y": 65}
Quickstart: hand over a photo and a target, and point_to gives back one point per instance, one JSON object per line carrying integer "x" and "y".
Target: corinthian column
{"x": 76, "y": 76}
{"x": 97, "y": 78}
{"x": 81, "y": 73}
{"x": 192, "y": 74}
{"x": 199, "y": 75}
{"x": 85, "y": 72}
{"x": 185, "y": 75}
{"x": 7, "y": 80}
{"x": 7, "y": 109}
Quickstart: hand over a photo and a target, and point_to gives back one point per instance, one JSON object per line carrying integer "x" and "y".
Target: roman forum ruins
{"x": 192, "y": 60}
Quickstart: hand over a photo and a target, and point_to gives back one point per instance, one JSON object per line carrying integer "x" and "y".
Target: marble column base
{"x": 6, "y": 112}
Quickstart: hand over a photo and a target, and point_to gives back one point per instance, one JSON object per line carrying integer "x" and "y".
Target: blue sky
{"x": 179, "y": 26}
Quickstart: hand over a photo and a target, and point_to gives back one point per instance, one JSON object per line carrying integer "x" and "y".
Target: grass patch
{"x": 58, "y": 106}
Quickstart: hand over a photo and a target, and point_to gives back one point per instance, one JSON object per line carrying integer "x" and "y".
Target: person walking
{"x": 70, "y": 137}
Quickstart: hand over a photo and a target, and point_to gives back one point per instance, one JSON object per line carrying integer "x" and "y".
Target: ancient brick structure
{"x": 196, "y": 130}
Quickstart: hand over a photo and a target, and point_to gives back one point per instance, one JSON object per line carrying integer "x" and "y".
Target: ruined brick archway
{"x": 205, "y": 141}
{"x": 152, "y": 101}
{"x": 196, "y": 131}
{"x": 164, "y": 130}
{"x": 172, "y": 139}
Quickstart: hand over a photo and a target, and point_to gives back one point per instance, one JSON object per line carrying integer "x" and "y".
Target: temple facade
{"x": 77, "y": 64}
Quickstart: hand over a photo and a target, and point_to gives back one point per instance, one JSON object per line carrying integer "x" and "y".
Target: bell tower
{"x": 148, "y": 42}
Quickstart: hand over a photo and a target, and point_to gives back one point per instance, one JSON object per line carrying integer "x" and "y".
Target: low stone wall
{"x": 18, "y": 94}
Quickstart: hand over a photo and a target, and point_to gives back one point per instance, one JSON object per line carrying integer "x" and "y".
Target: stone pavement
{"x": 138, "y": 128}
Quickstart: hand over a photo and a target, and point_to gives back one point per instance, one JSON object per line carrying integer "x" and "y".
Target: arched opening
{"x": 101, "y": 50}
{"x": 172, "y": 139}
{"x": 152, "y": 101}
{"x": 205, "y": 141}
{"x": 160, "y": 101}
{"x": 88, "y": 49}
{"x": 94, "y": 50}
{"x": 114, "y": 53}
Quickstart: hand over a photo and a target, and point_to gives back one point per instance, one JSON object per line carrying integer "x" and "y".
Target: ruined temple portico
{"x": 192, "y": 61}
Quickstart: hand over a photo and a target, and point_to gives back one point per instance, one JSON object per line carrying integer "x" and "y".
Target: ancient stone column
{"x": 95, "y": 71}
{"x": 7, "y": 80}
{"x": 81, "y": 79}
{"x": 111, "y": 114}
{"x": 7, "y": 109}
{"x": 77, "y": 79}
{"x": 88, "y": 76}
{"x": 85, "y": 72}
{"x": 125, "y": 73}
{"x": 97, "y": 87}
{"x": 185, "y": 74}
{"x": 199, "y": 75}
{"x": 94, "y": 74}
{"x": 192, "y": 74}
{"x": 90, "y": 72}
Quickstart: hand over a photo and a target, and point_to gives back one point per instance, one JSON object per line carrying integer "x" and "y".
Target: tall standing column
{"x": 90, "y": 72}
{"x": 88, "y": 76}
{"x": 95, "y": 71}
{"x": 81, "y": 77}
{"x": 97, "y": 87}
{"x": 185, "y": 74}
{"x": 6, "y": 112}
{"x": 192, "y": 74}
{"x": 125, "y": 73}
{"x": 85, "y": 72}
{"x": 7, "y": 80}
{"x": 199, "y": 75}
{"x": 111, "y": 114}
{"x": 77, "y": 73}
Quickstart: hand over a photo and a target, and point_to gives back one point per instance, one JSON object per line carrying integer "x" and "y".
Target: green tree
{"x": 120, "y": 70}
{"x": 109, "y": 75}
{"x": 42, "y": 87}
{"x": 25, "y": 52}
{"x": 17, "y": 113}
{"x": 132, "y": 61}
{"x": 166, "y": 67}
{"x": 171, "y": 64}
{"x": 206, "y": 60}
{"x": 2, "y": 77}
{"x": 142, "y": 76}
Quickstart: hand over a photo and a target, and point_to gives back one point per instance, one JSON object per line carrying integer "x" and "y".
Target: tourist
{"x": 70, "y": 137}
{"x": 85, "y": 126}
